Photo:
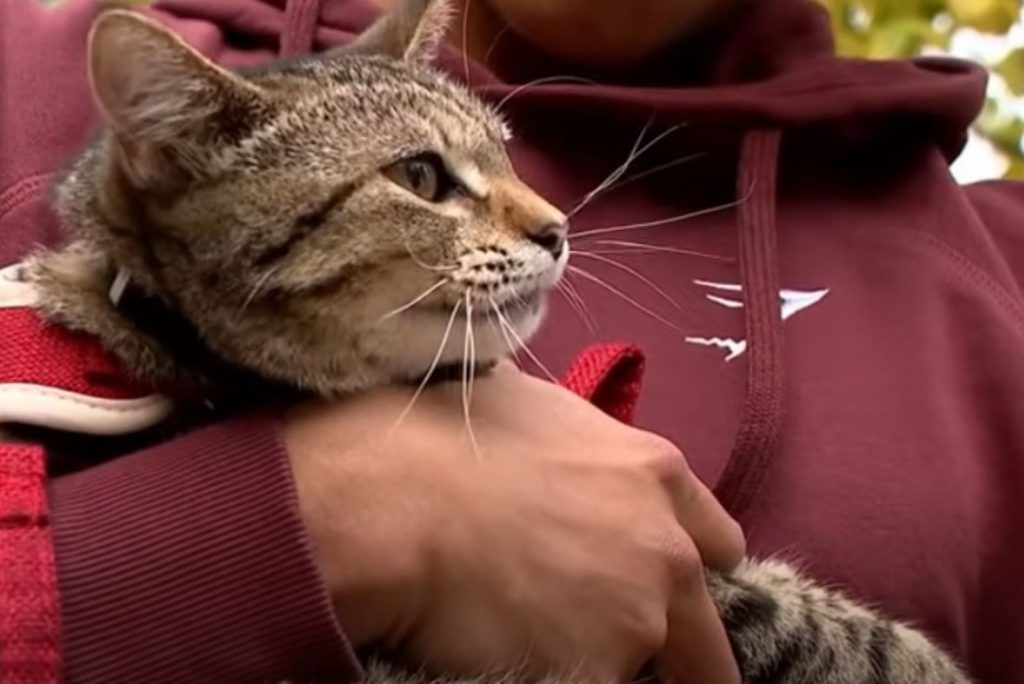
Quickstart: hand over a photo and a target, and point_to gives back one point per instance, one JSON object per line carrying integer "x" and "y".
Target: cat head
{"x": 333, "y": 221}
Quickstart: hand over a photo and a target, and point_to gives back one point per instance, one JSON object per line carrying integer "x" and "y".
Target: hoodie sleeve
{"x": 45, "y": 114}
{"x": 188, "y": 562}
{"x": 185, "y": 562}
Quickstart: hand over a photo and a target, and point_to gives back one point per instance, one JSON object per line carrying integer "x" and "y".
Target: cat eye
{"x": 424, "y": 175}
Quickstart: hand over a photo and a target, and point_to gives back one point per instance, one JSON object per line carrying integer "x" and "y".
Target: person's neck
{"x": 477, "y": 29}
{"x": 480, "y": 32}
{"x": 483, "y": 35}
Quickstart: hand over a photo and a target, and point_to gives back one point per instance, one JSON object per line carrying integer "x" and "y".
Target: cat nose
{"x": 552, "y": 237}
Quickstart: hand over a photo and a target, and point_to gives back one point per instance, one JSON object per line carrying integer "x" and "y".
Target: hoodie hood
{"x": 770, "y": 65}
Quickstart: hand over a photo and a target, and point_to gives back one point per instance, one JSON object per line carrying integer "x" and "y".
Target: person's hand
{"x": 568, "y": 543}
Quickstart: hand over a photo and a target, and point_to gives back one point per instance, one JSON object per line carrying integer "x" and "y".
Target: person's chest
{"x": 901, "y": 462}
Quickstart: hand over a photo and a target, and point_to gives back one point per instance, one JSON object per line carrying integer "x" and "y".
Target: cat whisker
{"x": 465, "y": 41}
{"x": 655, "y": 169}
{"x": 574, "y": 304}
{"x": 633, "y": 272}
{"x": 468, "y": 363}
{"x": 570, "y": 299}
{"x": 661, "y": 222}
{"x": 472, "y": 365}
{"x": 570, "y": 286}
{"x": 569, "y": 289}
{"x": 616, "y": 172}
{"x": 638, "y": 252}
{"x": 565, "y": 78}
{"x": 416, "y": 300}
{"x": 643, "y": 247}
{"x": 254, "y": 292}
{"x": 620, "y": 252}
{"x": 494, "y": 43}
{"x": 512, "y": 349}
{"x": 640, "y": 307}
{"x": 615, "y": 175}
{"x": 503, "y": 321}
{"x": 430, "y": 370}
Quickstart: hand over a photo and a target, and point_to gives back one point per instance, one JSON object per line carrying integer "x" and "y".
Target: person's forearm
{"x": 188, "y": 562}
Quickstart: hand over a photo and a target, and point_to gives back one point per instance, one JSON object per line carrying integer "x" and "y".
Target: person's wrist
{"x": 372, "y": 554}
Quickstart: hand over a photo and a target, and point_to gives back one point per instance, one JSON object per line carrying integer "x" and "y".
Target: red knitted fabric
{"x": 29, "y": 614}
{"x": 607, "y": 375}
{"x": 40, "y": 354}
{"x": 35, "y": 353}
{"x": 610, "y": 376}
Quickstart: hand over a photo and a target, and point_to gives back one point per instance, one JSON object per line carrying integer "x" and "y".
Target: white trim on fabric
{"x": 14, "y": 291}
{"x": 59, "y": 409}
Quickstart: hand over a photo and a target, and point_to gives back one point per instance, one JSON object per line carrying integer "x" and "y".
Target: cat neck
{"x": 154, "y": 344}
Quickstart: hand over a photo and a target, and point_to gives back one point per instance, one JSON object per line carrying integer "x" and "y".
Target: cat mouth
{"x": 518, "y": 298}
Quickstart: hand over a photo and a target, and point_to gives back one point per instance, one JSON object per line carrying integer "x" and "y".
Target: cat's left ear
{"x": 167, "y": 105}
{"x": 411, "y": 31}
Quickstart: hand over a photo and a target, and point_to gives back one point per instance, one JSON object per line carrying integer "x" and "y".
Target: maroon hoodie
{"x": 845, "y": 368}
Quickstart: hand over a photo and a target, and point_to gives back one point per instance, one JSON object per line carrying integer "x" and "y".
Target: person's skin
{"x": 599, "y": 33}
{"x": 592, "y": 33}
{"x": 570, "y": 542}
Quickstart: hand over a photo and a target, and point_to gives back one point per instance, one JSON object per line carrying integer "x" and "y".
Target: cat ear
{"x": 411, "y": 31}
{"x": 163, "y": 100}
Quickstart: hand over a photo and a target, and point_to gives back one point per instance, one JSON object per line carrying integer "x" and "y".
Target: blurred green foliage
{"x": 892, "y": 29}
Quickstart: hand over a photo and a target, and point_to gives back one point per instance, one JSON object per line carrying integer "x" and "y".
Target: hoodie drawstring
{"x": 757, "y": 440}
{"x": 300, "y": 20}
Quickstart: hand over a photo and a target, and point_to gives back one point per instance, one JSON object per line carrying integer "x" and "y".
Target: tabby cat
{"x": 320, "y": 223}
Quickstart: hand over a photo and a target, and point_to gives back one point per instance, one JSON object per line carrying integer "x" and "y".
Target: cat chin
{"x": 413, "y": 340}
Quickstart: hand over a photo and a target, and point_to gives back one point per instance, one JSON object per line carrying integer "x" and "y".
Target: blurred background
{"x": 989, "y": 32}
